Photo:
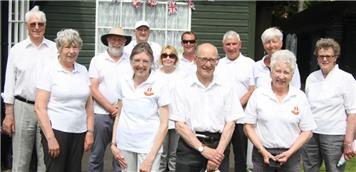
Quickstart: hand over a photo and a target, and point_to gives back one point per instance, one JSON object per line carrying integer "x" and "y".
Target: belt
{"x": 208, "y": 136}
{"x": 24, "y": 100}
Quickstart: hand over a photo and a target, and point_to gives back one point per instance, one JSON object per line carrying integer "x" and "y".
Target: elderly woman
{"x": 331, "y": 94}
{"x": 142, "y": 122}
{"x": 278, "y": 119}
{"x": 64, "y": 106}
{"x": 272, "y": 40}
{"x": 170, "y": 75}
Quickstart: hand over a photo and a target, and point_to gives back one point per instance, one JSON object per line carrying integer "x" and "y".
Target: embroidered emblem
{"x": 295, "y": 110}
{"x": 149, "y": 92}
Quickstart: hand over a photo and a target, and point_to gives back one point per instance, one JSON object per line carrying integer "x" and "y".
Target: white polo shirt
{"x": 239, "y": 71}
{"x": 330, "y": 99}
{"x": 24, "y": 66}
{"x": 278, "y": 124}
{"x": 186, "y": 66}
{"x": 139, "y": 120}
{"x": 170, "y": 80}
{"x": 68, "y": 96}
{"x": 205, "y": 109}
{"x": 156, "y": 48}
{"x": 262, "y": 75}
{"x": 107, "y": 71}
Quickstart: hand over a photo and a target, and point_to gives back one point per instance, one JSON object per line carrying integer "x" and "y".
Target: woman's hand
{"x": 266, "y": 156}
{"x": 118, "y": 156}
{"x": 282, "y": 158}
{"x": 53, "y": 147}
{"x": 89, "y": 140}
{"x": 146, "y": 165}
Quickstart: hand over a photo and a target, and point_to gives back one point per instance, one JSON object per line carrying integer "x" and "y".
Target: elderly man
{"x": 205, "y": 110}
{"x": 238, "y": 69}
{"x": 142, "y": 34}
{"x": 25, "y": 61}
{"x": 104, "y": 71}
{"x": 187, "y": 58}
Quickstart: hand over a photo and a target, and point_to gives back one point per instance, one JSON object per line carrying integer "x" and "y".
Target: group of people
{"x": 160, "y": 110}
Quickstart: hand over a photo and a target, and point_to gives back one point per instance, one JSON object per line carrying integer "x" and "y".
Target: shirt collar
{"x": 60, "y": 68}
{"x": 195, "y": 81}
{"x": 292, "y": 92}
{"x": 226, "y": 60}
{"x": 44, "y": 42}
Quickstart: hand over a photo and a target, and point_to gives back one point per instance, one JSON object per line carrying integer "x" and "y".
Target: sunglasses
{"x": 39, "y": 24}
{"x": 190, "y": 41}
{"x": 165, "y": 55}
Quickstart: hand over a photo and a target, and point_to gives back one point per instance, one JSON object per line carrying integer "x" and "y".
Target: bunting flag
{"x": 172, "y": 7}
{"x": 151, "y": 3}
{"x": 191, "y": 4}
{"x": 136, "y": 3}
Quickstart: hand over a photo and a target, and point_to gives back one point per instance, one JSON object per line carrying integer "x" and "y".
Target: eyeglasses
{"x": 171, "y": 56}
{"x": 328, "y": 57}
{"x": 204, "y": 60}
{"x": 190, "y": 41}
{"x": 39, "y": 24}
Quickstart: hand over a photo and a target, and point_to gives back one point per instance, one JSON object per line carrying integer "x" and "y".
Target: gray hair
{"x": 68, "y": 36}
{"x": 231, "y": 33}
{"x": 271, "y": 33}
{"x": 284, "y": 56}
{"x": 325, "y": 43}
{"x": 35, "y": 11}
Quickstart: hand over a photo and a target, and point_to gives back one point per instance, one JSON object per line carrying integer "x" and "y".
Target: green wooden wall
{"x": 213, "y": 18}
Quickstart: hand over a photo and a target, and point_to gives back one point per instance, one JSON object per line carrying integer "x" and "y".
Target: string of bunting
{"x": 172, "y": 5}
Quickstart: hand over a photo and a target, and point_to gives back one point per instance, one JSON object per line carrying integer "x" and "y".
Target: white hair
{"x": 230, "y": 34}
{"x": 286, "y": 57}
{"x": 35, "y": 11}
{"x": 271, "y": 33}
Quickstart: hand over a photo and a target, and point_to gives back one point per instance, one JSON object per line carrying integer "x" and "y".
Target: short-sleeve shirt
{"x": 278, "y": 124}
{"x": 139, "y": 119}
{"x": 330, "y": 99}
{"x": 186, "y": 66}
{"x": 262, "y": 75}
{"x": 107, "y": 71}
{"x": 69, "y": 92}
{"x": 205, "y": 109}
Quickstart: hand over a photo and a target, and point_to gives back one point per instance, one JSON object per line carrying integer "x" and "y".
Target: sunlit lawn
{"x": 350, "y": 166}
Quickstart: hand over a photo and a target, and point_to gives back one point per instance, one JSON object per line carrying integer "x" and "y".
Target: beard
{"x": 115, "y": 51}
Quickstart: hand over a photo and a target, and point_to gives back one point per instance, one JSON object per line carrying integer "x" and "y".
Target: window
{"x": 17, "y": 27}
{"x": 165, "y": 28}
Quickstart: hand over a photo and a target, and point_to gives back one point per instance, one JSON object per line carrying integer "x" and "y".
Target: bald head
{"x": 207, "y": 49}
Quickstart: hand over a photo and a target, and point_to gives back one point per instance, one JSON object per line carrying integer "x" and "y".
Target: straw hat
{"x": 116, "y": 32}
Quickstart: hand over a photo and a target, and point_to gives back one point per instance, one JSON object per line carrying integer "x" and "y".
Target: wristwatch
{"x": 201, "y": 148}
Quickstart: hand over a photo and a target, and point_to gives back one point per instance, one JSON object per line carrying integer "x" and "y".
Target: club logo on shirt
{"x": 295, "y": 110}
{"x": 149, "y": 92}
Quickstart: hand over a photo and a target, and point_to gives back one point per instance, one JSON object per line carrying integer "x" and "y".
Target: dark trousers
{"x": 239, "y": 143}
{"x": 71, "y": 147}
{"x": 292, "y": 164}
{"x": 191, "y": 160}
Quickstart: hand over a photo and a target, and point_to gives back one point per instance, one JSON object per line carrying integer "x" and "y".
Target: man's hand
{"x": 118, "y": 156}
{"x": 213, "y": 155}
{"x": 9, "y": 124}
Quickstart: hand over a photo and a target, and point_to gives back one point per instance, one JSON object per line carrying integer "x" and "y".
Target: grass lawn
{"x": 350, "y": 166}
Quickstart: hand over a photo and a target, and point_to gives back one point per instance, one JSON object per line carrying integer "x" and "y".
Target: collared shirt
{"x": 278, "y": 124}
{"x": 24, "y": 66}
{"x": 186, "y": 66}
{"x": 69, "y": 92}
{"x": 170, "y": 80}
{"x": 139, "y": 119}
{"x": 330, "y": 99}
{"x": 262, "y": 75}
{"x": 156, "y": 49}
{"x": 107, "y": 71}
{"x": 205, "y": 109}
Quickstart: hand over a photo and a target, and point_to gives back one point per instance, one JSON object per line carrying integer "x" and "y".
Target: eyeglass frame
{"x": 204, "y": 60}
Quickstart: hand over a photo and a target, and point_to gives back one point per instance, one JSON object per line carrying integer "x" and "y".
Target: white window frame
{"x": 16, "y": 21}
{"x": 130, "y": 29}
